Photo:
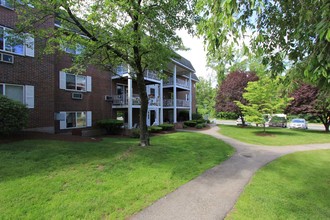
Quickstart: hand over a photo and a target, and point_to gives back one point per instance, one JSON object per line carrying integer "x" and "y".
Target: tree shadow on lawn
{"x": 24, "y": 158}
{"x": 275, "y": 133}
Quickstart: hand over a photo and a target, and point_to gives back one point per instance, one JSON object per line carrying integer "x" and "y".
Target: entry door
{"x": 153, "y": 117}
{"x": 153, "y": 94}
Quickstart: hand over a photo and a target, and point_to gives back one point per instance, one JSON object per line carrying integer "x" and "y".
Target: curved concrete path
{"x": 213, "y": 194}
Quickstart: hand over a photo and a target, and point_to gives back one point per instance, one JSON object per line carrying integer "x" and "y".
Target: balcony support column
{"x": 174, "y": 95}
{"x": 190, "y": 97}
{"x": 130, "y": 100}
{"x": 161, "y": 102}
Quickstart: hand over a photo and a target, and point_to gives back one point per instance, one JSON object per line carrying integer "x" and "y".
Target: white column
{"x": 174, "y": 95}
{"x": 161, "y": 121}
{"x": 130, "y": 99}
{"x": 190, "y": 97}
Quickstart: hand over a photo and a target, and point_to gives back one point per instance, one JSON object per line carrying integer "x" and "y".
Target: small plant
{"x": 167, "y": 127}
{"x": 112, "y": 126}
{"x": 191, "y": 123}
{"x": 13, "y": 116}
{"x": 155, "y": 129}
{"x": 135, "y": 133}
{"x": 199, "y": 126}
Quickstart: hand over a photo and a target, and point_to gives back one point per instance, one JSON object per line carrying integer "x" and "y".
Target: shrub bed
{"x": 112, "y": 126}
{"x": 155, "y": 129}
{"x": 191, "y": 123}
{"x": 13, "y": 116}
{"x": 167, "y": 127}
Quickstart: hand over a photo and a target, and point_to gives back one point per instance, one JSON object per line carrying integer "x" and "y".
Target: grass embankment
{"x": 296, "y": 186}
{"x": 112, "y": 179}
{"x": 274, "y": 136}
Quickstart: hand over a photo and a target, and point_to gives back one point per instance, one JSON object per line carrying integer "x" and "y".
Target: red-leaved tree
{"x": 231, "y": 90}
{"x": 309, "y": 99}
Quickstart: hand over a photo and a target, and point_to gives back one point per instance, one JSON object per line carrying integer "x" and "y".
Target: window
{"x": 6, "y": 4}
{"x": 76, "y": 119}
{"x": 75, "y": 82}
{"x": 16, "y": 43}
{"x": 121, "y": 69}
{"x": 21, "y": 93}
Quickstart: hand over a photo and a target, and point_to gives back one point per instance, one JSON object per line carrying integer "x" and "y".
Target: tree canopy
{"x": 309, "y": 99}
{"x": 138, "y": 33}
{"x": 231, "y": 90}
{"x": 263, "y": 98}
{"x": 279, "y": 31}
{"x": 205, "y": 97}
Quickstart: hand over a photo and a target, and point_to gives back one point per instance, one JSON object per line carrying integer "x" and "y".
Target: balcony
{"x": 179, "y": 103}
{"x": 121, "y": 100}
{"x": 179, "y": 82}
{"x": 148, "y": 75}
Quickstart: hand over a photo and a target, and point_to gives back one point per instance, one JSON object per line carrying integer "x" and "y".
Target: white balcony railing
{"x": 179, "y": 82}
{"x": 123, "y": 100}
{"x": 179, "y": 103}
{"x": 151, "y": 75}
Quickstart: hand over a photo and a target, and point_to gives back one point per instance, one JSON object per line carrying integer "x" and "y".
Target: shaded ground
{"x": 213, "y": 194}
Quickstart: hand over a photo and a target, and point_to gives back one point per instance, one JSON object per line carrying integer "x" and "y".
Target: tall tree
{"x": 138, "y": 33}
{"x": 205, "y": 97}
{"x": 309, "y": 99}
{"x": 264, "y": 98}
{"x": 231, "y": 90}
{"x": 279, "y": 30}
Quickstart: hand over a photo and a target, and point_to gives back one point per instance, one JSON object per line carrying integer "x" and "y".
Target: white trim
{"x": 180, "y": 64}
{"x": 62, "y": 80}
{"x": 29, "y": 45}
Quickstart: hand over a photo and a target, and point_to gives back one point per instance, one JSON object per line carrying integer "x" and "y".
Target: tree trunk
{"x": 144, "y": 135}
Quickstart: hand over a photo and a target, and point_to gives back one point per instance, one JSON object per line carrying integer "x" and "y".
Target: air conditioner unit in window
{"x": 108, "y": 98}
{"x": 6, "y": 58}
{"x": 76, "y": 95}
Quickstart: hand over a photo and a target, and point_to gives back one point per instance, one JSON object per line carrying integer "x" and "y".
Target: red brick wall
{"x": 92, "y": 101}
{"x": 35, "y": 71}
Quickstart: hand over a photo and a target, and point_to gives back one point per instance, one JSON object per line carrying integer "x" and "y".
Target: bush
{"x": 199, "y": 126}
{"x": 191, "y": 123}
{"x": 197, "y": 116}
{"x": 112, "y": 126}
{"x": 167, "y": 127}
{"x": 200, "y": 121}
{"x": 227, "y": 115}
{"x": 155, "y": 129}
{"x": 13, "y": 116}
{"x": 135, "y": 133}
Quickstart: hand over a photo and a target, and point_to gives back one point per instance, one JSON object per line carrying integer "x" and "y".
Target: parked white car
{"x": 239, "y": 122}
{"x": 298, "y": 123}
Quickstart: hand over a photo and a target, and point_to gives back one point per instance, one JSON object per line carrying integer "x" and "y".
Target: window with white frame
{"x": 21, "y": 44}
{"x": 75, "y": 82}
{"x": 80, "y": 119}
{"x": 21, "y": 93}
{"x": 6, "y": 3}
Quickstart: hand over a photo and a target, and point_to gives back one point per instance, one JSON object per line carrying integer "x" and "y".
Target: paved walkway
{"x": 213, "y": 194}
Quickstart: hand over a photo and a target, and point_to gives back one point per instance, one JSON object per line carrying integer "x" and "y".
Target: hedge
{"x": 167, "y": 127}
{"x": 13, "y": 116}
{"x": 112, "y": 126}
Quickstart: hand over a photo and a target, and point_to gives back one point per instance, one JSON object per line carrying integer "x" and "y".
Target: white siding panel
{"x": 62, "y": 80}
{"x": 89, "y": 119}
{"x": 29, "y": 46}
{"x": 63, "y": 122}
{"x": 89, "y": 83}
{"x": 29, "y": 96}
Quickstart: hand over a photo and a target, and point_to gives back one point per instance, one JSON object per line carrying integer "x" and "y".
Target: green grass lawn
{"x": 296, "y": 186}
{"x": 112, "y": 179}
{"x": 274, "y": 136}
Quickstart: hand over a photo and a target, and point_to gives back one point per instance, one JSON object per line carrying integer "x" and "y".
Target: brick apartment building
{"x": 60, "y": 101}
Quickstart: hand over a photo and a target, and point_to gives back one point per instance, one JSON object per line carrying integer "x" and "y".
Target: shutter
{"x": 29, "y": 46}
{"x": 62, "y": 120}
{"x": 62, "y": 80}
{"x": 29, "y": 96}
{"x": 89, "y": 119}
{"x": 89, "y": 83}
